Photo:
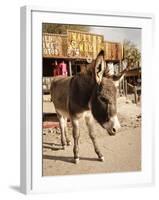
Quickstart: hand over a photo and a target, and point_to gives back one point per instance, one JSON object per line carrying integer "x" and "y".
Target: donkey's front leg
{"x": 76, "y": 134}
{"x": 90, "y": 124}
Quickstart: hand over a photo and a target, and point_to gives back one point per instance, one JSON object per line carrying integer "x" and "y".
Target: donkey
{"x": 89, "y": 95}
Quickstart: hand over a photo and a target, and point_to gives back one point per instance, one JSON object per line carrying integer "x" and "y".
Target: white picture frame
{"x": 31, "y": 100}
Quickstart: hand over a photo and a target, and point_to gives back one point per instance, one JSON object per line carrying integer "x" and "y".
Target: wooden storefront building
{"x": 76, "y": 49}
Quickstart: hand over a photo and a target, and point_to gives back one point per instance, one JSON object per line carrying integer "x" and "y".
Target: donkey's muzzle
{"x": 112, "y": 125}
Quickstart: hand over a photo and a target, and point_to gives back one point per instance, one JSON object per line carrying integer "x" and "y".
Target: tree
{"x": 132, "y": 54}
{"x": 62, "y": 28}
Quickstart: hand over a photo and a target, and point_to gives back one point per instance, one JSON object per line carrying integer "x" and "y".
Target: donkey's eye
{"x": 103, "y": 99}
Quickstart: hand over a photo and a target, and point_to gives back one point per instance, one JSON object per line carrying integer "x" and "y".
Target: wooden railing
{"x": 134, "y": 89}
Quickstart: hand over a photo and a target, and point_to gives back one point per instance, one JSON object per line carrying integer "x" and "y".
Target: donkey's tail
{"x": 52, "y": 87}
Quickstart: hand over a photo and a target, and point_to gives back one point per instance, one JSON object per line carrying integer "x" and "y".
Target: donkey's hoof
{"x": 68, "y": 143}
{"x": 76, "y": 160}
{"x": 101, "y": 159}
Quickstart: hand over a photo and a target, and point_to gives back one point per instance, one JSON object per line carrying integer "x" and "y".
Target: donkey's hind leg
{"x": 62, "y": 128}
{"x": 66, "y": 133}
{"x": 76, "y": 135}
{"x": 90, "y": 124}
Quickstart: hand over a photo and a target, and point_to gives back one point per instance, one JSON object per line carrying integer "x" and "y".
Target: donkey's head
{"x": 104, "y": 97}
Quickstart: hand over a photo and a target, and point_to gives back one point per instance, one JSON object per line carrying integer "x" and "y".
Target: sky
{"x": 119, "y": 34}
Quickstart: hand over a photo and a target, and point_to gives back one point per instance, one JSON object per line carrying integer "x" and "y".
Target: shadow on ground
{"x": 67, "y": 159}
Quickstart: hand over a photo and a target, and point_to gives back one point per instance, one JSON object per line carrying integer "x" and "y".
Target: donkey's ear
{"x": 118, "y": 78}
{"x": 99, "y": 67}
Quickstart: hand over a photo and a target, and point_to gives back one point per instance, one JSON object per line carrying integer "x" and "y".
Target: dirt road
{"x": 122, "y": 152}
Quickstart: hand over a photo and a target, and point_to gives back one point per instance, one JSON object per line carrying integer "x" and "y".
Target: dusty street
{"x": 122, "y": 152}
